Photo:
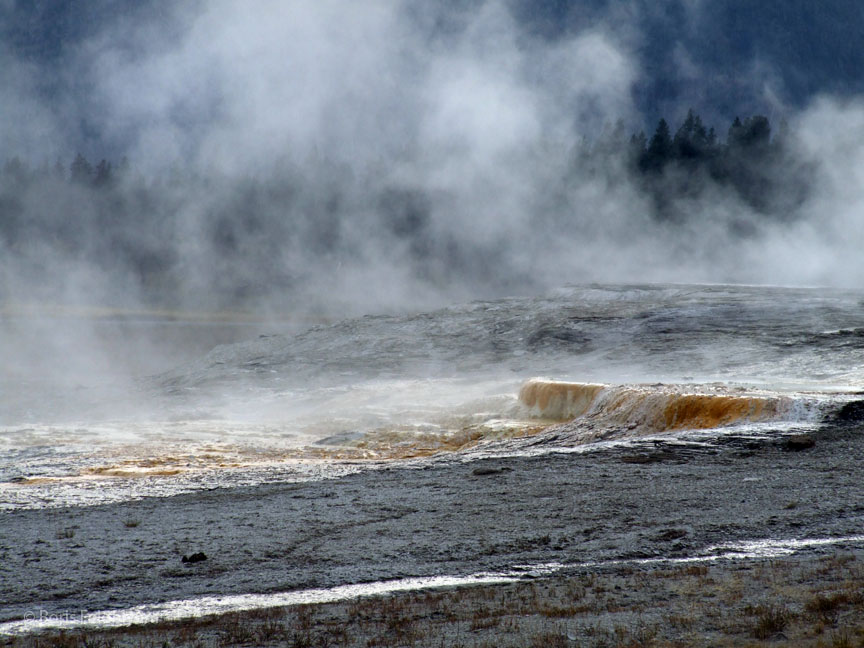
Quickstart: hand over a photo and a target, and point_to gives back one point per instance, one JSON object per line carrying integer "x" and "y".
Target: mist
{"x": 295, "y": 162}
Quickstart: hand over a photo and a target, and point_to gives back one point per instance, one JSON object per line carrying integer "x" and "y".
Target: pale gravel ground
{"x": 443, "y": 519}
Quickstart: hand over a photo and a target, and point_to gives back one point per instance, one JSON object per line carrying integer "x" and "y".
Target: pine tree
{"x": 736, "y": 133}
{"x": 691, "y": 141}
{"x": 636, "y": 148}
{"x": 757, "y": 132}
{"x": 81, "y": 171}
{"x": 659, "y": 150}
{"x": 104, "y": 174}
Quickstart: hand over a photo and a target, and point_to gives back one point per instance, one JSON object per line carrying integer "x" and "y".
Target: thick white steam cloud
{"x": 465, "y": 121}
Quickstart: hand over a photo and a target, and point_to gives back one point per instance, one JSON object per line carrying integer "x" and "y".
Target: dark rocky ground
{"x": 450, "y": 516}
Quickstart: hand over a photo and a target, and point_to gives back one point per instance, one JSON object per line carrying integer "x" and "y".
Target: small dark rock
{"x": 195, "y": 557}
{"x": 800, "y": 442}
{"x": 637, "y": 459}
{"x": 488, "y": 470}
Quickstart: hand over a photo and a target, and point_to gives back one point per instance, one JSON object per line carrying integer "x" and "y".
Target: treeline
{"x": 95, "y": 213}
{"x": 752, "y": 164}
{"x": 185, "y": 233}
{"x": 79, "y": 171}
{"x": 172, "y": 238}
{"x": 752, "y": 161}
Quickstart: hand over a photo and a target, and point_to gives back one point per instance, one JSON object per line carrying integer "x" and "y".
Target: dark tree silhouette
{"x": 735, "y": 134}
{"x": 659, "y": 150}
{"x": 104, "y": 174}
{"x": 81, "y": 171}
{"x": 691, "y": 139}
{"x": 756, "y": 132}
{"x": 636, "y": 148}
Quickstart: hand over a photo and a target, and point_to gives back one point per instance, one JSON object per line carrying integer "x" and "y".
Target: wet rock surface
{"x": 451, "y": 516}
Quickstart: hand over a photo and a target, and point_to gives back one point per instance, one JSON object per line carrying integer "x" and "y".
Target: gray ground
{"x": 441, "y": 519}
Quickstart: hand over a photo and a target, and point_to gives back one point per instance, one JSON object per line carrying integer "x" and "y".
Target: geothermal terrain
{"x": 579, "y": 465}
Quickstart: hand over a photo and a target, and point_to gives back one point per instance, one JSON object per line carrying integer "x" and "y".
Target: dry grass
{"x": 815, "y": 603}
{"x": 770, "y": 620}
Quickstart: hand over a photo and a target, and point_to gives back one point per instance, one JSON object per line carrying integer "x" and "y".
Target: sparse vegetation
{"x": 770, "y": 620}
{"x": 674, "y": 607}
{"x": 826, "y": 606}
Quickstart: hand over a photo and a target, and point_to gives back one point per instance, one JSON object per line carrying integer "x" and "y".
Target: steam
{"x": 348, "y": 103}
{"x": 434, "y": 150}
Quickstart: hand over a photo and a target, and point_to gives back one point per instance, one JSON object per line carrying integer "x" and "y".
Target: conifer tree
{"x": 659, "y": 149}
{"x": 80, "y": 170}
{"x": 103, "y": 175}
